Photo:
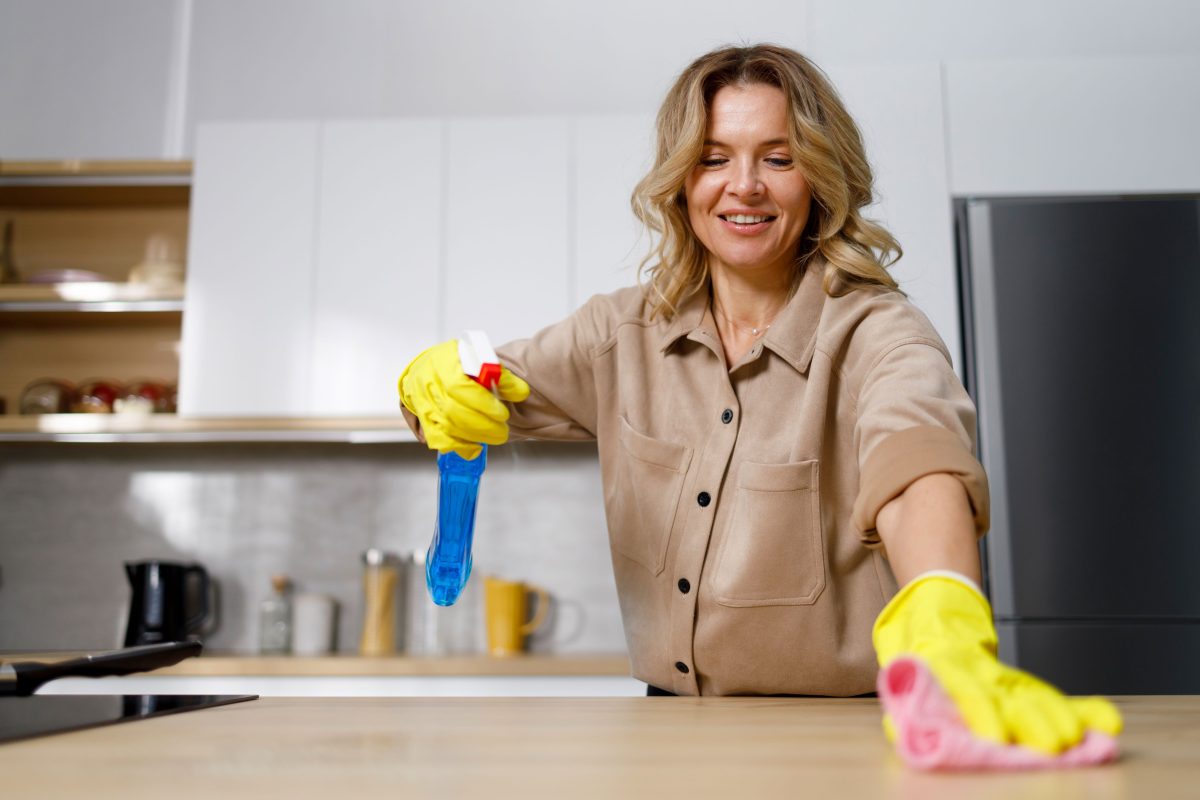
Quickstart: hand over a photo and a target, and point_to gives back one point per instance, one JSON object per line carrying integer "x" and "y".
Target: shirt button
{"x": 704, "y": 498}
{"x": 684, "y": 586}
{"x": 727, "y": 416}
{"x": 682, "y": 667}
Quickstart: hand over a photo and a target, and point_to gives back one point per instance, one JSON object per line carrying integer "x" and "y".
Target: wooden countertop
{"x": 350, "y": 665}
{"x": 562, "y": 748}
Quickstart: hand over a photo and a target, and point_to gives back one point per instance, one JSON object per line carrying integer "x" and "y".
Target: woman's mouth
{"x": 746, "y": 223}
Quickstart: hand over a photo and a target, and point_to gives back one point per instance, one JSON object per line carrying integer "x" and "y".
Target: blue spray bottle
{"x": 448, "y": 563}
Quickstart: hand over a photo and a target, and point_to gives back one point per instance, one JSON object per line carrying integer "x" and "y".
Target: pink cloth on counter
{"x": 930, "y": 734}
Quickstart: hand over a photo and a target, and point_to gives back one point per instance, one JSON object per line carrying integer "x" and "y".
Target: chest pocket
{"x": 773, "y": 553}
{"x": 645, "y": 497}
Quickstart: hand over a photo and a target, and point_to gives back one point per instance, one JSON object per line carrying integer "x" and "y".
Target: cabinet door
{"x": 1074, "y": 126}
{"x": 378, "y": 282}
{"x": 507, "y": 225}
{"x": 899, "y": 109}
{"x": 247, "y": 326}
{"x": 611, "y": 154}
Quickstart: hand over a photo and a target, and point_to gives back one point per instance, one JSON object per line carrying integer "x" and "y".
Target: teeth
{"x": 746, "y": 219}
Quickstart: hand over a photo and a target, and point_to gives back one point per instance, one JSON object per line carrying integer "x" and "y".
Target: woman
{"x": 783, "y": 440}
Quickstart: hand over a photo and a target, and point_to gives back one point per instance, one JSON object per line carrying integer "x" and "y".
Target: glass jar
{"x": 275, "y": 619}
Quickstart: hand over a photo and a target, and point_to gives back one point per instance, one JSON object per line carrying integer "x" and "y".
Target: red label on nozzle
{"x": 489, "y": 375}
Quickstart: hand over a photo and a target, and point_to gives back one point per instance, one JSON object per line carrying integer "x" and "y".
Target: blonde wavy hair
{"x": 826, "y": 144}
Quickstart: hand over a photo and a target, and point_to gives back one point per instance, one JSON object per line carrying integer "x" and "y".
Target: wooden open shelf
{"x": 77, "y": 168}
{"x": 99, "y": 428}
{"x": 24, "y": 298}
{"x": 99, "y": 216}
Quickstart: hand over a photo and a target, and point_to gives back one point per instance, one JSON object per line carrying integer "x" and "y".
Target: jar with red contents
{"x": 95, "y": 396}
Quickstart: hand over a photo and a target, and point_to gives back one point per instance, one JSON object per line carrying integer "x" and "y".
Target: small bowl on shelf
{"x": 144, "y": 397}
{"x": 47, "y": 396}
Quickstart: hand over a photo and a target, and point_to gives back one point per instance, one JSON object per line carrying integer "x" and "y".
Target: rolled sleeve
{"x": 907, "y": 455}
{"x": 914, "y": 419}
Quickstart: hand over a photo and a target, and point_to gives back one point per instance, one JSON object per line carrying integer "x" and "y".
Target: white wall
{"x": 134, "y": 77}
{"x": 313, "y": 58}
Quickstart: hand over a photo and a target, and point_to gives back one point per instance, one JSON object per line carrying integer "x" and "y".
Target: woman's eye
{"x": 712, "y": 161}
{"x": 779, "y": 161}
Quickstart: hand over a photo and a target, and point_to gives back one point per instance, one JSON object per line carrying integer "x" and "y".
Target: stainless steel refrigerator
{"x": 1081, "y": 336}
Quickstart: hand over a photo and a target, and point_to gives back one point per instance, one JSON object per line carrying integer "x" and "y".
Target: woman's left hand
{"x": 947, "y": 623}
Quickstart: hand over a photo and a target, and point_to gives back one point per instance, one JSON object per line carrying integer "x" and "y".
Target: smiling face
{"x": 747, "y": 200}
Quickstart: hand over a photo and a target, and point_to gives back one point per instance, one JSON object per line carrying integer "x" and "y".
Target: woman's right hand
{"x": 455, "y": 412}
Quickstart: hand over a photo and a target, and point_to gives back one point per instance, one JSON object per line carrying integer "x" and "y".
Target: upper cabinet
{"x": 316, "y": 266}
{"x": 507, "y": 212}
{"x": 247, "y": 335}
{"x": 899, "y": 109}
{"x": 324, "y": 256}
{"x": 378, "y": 268}
{"x": 609, "y": 155}
{"x": 1073, "y": 126}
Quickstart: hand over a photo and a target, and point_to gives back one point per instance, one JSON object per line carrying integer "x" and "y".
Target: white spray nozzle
{"x": 478, "y": 358}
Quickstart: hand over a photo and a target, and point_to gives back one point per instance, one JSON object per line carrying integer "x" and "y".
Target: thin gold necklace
{"x": 754, "y": 331}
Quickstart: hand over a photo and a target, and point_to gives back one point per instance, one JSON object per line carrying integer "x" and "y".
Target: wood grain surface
{"x": 562, "y": 748}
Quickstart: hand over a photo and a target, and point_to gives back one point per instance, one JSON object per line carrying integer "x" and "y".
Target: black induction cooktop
{"x": 40, "y": 715}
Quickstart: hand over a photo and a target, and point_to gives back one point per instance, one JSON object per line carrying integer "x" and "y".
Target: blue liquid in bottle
{"x": 448, "y": 563}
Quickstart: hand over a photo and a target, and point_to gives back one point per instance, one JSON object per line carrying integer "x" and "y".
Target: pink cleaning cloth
{"x": 930, "y": 734}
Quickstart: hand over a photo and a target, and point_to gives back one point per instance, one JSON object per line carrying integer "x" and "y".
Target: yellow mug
{"x": 507, "y": 606}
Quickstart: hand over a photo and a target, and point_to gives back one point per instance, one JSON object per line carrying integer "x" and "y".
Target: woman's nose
{"x": 744, "y": 182}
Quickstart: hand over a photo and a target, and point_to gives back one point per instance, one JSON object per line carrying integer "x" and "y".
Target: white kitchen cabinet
{"x": 377, "y": 299}
{"x": 611, "y": 154}
{"x": 314, "y": 272}
{"x": 1074, "y": 126}
{"x": 899, "y": 109}
{"x": 507, "y": 225}
{"x": 325, "y": 255}
{"x": 248, "y": 324}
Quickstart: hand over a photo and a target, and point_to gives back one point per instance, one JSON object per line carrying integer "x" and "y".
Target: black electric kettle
{"x": 170, "y": 601}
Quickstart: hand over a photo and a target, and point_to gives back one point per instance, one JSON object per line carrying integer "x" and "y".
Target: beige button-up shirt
{"x": 741, "y": 499}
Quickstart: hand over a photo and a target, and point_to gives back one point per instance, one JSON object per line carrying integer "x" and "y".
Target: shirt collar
{"x": 793, "y": 335}
{"x": 688, "y": 320}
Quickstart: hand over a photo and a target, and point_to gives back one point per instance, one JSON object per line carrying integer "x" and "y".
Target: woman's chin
{"x": 752, "y": 263}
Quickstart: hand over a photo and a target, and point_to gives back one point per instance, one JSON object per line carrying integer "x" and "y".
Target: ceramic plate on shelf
{"x": 65, "y": 276}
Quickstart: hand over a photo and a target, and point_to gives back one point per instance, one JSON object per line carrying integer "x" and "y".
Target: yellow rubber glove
{"x": 456, "y": 413}
{"x": 948, "y": 624}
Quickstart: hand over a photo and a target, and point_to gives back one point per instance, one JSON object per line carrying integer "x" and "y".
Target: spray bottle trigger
{"x": 479, "y": 359}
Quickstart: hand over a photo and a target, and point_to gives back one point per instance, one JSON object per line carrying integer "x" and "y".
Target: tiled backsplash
{"x": 71, "y": 514}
